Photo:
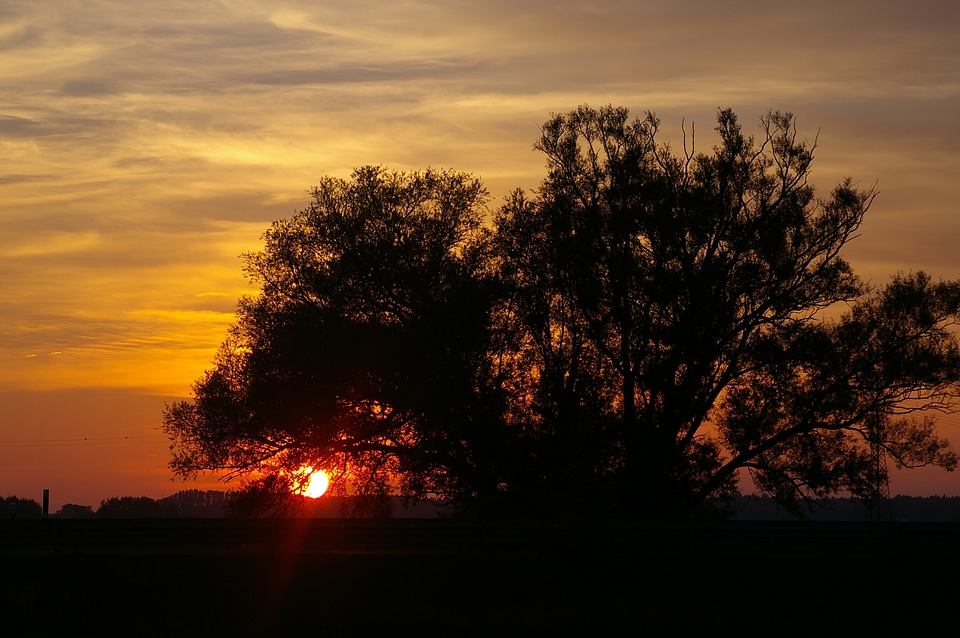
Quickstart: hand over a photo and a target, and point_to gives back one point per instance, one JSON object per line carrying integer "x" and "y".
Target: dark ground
{"x": 321, "y": 577}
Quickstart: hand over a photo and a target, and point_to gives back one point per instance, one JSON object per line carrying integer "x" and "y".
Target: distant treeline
{"x": 183, "y": 504}
{"x": 217, "y": 504}
{"x": 220, "y": 504}
{"x": 933, "y": 509}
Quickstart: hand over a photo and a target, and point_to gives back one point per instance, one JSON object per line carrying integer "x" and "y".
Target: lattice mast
{"x": 879, "y": 507}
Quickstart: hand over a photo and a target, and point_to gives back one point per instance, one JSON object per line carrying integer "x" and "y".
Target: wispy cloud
{"x": 145, "y": 145}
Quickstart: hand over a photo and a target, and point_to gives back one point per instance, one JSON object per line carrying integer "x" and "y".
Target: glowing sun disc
{"x": 317, "y": 484}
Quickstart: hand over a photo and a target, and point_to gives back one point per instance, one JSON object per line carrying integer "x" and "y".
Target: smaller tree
{"x": 364, "y": 354}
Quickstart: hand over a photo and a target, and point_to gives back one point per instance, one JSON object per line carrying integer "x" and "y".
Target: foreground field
{"x": 312, "y": 577}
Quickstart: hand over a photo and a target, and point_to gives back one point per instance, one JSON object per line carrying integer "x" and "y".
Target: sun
{"x": 317, "y": 484}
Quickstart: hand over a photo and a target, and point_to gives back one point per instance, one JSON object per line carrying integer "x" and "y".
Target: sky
{"x": 146, "y": 145}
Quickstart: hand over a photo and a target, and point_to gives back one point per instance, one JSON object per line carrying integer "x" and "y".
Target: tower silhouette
{"x": 879, "y": 507}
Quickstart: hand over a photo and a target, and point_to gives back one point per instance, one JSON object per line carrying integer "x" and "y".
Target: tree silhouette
{"x": 74, "y": 511}
{"x": 194, "y": 504}
{"x": 808, "y": 420}
{"x": 630, "y": 339}
{"x": 20, "y": 508}
{"x": 654, "y": 285}
{"x": 129, "y": 507}
{"x": 366, "y": 351}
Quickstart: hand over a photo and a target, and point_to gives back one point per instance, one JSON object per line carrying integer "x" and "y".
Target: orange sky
{"x": 145, "y": 145}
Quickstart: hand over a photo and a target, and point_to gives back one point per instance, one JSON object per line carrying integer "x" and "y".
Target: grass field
{"x": 322, "y": 577}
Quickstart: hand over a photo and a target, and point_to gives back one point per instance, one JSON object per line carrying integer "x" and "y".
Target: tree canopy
{"x": 627, "y": 340}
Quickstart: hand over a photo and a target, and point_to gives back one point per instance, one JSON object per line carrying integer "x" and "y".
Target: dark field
{"x": 322, "y": 577}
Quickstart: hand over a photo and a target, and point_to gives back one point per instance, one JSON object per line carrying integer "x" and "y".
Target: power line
{"x": 85, "y": 441}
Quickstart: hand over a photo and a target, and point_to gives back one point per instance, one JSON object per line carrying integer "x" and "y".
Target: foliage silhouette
{"x": 16, "y": 508}
{"x": 74, "y": 511}
{"x": 268, "y": 496}
{"x": 364, "y": 353}
{"x": 628, "y": 340}
{"x": 130, "y": 507}
{"x": 195, "y": 504}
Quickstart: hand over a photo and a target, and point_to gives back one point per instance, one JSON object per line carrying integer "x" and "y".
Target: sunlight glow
{"x": 317, "y": 483}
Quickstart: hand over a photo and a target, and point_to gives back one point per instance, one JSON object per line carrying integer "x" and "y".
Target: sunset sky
{"x": 145, "y": 145}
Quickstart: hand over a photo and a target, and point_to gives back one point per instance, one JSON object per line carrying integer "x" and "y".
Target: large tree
{"x": 634, "y": 336}
{"x": 684, "y": 296}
